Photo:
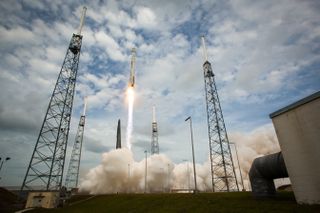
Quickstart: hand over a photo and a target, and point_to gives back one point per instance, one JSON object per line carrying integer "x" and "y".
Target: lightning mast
{"x": 222, "y": 167}
{"x": 154, "y": 139}
{"x": 74, "y": 164}
{"x": 45, "y": 170}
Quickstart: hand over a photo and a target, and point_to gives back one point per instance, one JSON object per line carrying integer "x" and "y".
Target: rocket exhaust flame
{"x": 130, "y": 96}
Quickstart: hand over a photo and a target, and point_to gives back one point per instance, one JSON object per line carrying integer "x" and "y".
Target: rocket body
{"x": 132, "y": 68}
{"x": 131, "y": 81}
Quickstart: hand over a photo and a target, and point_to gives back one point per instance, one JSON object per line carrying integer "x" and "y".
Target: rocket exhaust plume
{"x": 130, "y": 96}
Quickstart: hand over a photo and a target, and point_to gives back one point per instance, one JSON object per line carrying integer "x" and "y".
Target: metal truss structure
{"x": 222, "y": 167}
{"x": 74, "y": 164}
{"x": 45, "y": 170}
{"x": 154, "y": 138}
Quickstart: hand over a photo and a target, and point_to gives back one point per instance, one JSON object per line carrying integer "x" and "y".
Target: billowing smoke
{"x": 261, "y": 141}
{"x": 118, "y": 172}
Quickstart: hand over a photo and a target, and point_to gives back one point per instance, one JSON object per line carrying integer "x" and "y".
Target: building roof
{"x": 296, "y": 104}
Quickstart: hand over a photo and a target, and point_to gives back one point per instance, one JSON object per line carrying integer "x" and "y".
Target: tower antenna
{"x": 84, "y": 10}
{"x": 84, "y": 105}
{"x": 205, "y": 54}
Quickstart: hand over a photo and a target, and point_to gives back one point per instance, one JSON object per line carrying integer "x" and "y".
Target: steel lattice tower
{"x": 222, "y": 167}
{"x": 45, "y": 170}
{"x": 154, "y": 138}
{"x": 74, "y": 163}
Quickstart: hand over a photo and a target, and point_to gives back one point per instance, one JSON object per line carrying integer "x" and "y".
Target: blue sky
{"x": 265, "y": 55}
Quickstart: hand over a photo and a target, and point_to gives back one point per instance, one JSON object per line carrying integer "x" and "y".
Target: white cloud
{"x": 16, "y": 36}
{"x": 56, "y": 54}
{"x": 101, "y": 90}
{"x": 110, "y": 45}
{"x": 146, "y": 17}
{"x": 115, "y": 30}
{"x": 256, "y": 55}
{"x": 34, "y": 4}
{"x": 130, "y": 35}
{"x": 13, "y": 61}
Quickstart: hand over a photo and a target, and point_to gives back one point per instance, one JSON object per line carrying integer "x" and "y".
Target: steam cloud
{"x": 261, "y": 141}
{"x": 118, "y": 172}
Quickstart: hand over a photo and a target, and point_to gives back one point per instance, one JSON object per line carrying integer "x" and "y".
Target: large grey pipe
{"x": 263, "y": 171}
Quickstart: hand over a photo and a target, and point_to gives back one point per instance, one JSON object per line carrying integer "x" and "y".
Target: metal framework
{"x": 45, "y": 170}
{"x": 222, "y": 167}
{"x": 154, "y": 138}
{"x": 74, "y": 164}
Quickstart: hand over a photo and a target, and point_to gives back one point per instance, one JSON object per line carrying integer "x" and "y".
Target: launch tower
{"x": 74, "y": 164}
{"x": 154, "y": 139}
{"x": 45, "y": 170}
{"x": 222, "y": 167}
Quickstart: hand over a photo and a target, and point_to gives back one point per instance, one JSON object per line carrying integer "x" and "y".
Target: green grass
{"x": 203, "y": 202}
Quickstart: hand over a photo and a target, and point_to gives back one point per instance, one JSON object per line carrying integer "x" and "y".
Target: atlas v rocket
{"x": 133, "y": 62}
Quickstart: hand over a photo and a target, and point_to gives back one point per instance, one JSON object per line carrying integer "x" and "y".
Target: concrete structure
{"x": 43, "y": 199}
{"x": 298, "y": 131}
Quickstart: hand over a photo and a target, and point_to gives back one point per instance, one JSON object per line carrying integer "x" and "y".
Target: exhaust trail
{"x": 130, "y": 97}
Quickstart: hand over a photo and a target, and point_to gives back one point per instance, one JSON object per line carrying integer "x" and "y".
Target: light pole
{"x": 162, "y": 173}
{"x": 168, "y": 178}
{"x": 129, "y": 177}
{"x": 194, "y": 165}
{"x": 2, "y": 161}
{"x": 145, "y": 172}
{"x": 235, "y": 146}
{"x": 249, "y": 184}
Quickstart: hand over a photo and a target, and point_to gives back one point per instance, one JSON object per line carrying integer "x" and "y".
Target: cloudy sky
{"x": 265, "y": 54}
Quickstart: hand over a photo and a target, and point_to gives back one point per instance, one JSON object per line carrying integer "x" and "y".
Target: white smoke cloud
{"x": 259, "y": 142}
{"x": 119, "y": 172}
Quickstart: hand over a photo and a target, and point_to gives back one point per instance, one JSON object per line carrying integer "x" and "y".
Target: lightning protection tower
{"x": 154, "y": 139}
{"x": 222, "y": 167}
{"x": 74, "y": 164}
{"x": 45, "y": 170}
